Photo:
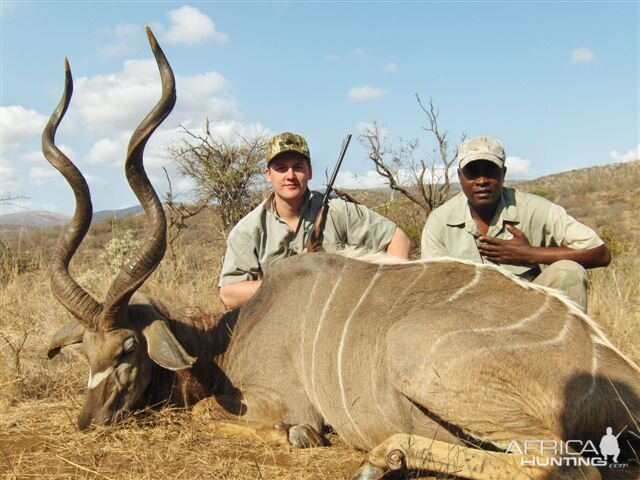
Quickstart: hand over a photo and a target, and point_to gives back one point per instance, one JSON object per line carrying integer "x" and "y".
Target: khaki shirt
{"x": 262, "y": 236}
{"x": 451, "y": 232}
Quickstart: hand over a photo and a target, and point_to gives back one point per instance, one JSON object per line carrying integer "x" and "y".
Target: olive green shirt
{"x": 451, "y": 232}
{"x": 262, "y": 236}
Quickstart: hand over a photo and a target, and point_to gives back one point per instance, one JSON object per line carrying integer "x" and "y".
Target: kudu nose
{"x": 84, "y": 421}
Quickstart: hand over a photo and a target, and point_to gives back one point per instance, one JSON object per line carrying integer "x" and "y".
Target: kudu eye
{"x": 129, "y": 345}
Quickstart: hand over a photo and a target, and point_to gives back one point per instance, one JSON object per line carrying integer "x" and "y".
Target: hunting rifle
{"x": 315, "y": 243}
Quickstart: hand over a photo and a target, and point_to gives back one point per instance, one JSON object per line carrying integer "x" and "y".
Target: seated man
{"x": 522, "y": 233}
{"x": 281, "y": 225}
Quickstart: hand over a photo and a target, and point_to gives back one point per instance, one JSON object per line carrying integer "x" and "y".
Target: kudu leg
{"x": 276, "y": 433}
{"x": 404, "y": 451}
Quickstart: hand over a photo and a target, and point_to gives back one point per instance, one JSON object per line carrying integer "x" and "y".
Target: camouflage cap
{"x": 287, "y": 142}
{"x": 481, "y": 148}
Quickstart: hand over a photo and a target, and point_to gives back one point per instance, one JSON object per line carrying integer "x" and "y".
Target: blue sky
{"x": 557, "y": 82}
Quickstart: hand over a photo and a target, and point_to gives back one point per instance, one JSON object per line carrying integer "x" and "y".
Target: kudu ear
{"x": 164, "y": 348}
{"x": 70, "y": 334}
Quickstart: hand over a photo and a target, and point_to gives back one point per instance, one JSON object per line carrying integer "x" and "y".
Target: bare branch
{"x": 226, "y": 173}
{"x": 424, "y": 181}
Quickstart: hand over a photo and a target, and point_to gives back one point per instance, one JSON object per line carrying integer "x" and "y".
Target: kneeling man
{"x": 522, "y": 233}
{"x": 281, "y": 225}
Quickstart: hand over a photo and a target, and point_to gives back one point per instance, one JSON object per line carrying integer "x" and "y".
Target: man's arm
{"x": 518, "y": 251}
{"x": 359, "y": 226}
{"x": 400, "y": 245}
{"x": 432, "y": 242}
{"x": 241, "y": 273}
{"x": 236, "y": 294}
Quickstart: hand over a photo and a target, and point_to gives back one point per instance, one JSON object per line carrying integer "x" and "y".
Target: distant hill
{"x": 607, "y": 198}
{"x": 34, "y": 219}
{"x": 43, "y": 219}
{"x": 118, "y": 214}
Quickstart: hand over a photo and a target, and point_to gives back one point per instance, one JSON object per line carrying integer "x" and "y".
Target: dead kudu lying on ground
{"x": 438, "y": 365}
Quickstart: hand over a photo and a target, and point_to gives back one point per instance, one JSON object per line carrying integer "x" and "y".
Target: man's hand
{"x": 517, "y": 251}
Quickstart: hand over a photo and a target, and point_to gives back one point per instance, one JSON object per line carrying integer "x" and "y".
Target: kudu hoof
{"x": 302, "y": 436}
{"x": 369, "y": 472}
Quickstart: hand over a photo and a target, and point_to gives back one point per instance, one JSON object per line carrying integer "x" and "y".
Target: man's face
{"x": 289, "y": 174}
{"x": 481, "y": 182}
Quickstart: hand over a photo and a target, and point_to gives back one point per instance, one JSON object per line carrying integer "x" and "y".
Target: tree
{"x": 227, "y": 174}
{"x": 424, "y": 181}
{"x": 177, "y": 215}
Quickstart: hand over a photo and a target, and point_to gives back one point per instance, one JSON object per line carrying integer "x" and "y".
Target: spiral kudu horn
{"x": 135, "y": 272}
{"x": 81, "y": 305}
{"x": 113, "y": 313}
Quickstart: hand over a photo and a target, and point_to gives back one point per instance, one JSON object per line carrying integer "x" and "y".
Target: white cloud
{"x": 36, "y": 156}
{"x": 517, "y": 167}
{"x": 582, "y": 55}
{"x": 365, "y": 93}
{"x": 359, "y": 52}
{"x": 190, "y": 26}
{"x": 332, "y": 57}
{"x": 123, "y": 37}
{"x": 45, "y": 176}
{"x": 390, "y": 67}
{"x": 94, "y": 180}
{"x": 108, "y": 151}
{"x": 18, "y": 123}
{"x": 118, "y": 102}
{"x": 32, "y": 156}
{"x": 631, "y": 156}
{"x": 199, "y": 86}
{"x": 121, "y": 100}
{"x": 10, "y": 184}
{"x": 371, "y": 179}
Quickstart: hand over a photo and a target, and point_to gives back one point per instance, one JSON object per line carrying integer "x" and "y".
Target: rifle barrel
{"x": 345, "y": 145}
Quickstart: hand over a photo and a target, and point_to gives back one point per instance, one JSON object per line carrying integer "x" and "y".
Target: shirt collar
{"x": 270, "y": 207}
{"x": 507, "y": 210}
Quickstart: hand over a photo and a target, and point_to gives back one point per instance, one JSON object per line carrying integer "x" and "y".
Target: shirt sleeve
{"x": 240, "y": 260}
{"x": 563, "y": 230}
{"x": 357, "y": 225}
{"x": 432, "y": 244}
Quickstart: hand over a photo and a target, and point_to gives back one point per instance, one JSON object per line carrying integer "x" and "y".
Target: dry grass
{"x": 40, "y": 398}
{"x": 39, "y": 440}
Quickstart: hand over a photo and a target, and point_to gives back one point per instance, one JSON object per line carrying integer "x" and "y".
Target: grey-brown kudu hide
{"x": 441, "y": 349}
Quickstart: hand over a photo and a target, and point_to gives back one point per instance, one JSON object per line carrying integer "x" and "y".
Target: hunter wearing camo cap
{"x": 287, "y": 142}
{"x": 523, "y": 233}
{"x": 281, "y": 225}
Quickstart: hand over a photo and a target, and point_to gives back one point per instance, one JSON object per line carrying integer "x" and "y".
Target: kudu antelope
{"x": 437, "y": 365}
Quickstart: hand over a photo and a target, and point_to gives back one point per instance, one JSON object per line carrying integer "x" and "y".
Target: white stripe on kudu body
{"x": 471, "y": 284}
{"x": 325, "y": 309}
{"x": 305, "y": 317}
{"x": 383, "y": 409}
{"x": 341, "y": 355}
{"x": 520, "y": 324}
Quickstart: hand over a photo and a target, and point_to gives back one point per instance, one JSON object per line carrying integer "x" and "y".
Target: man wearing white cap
{"x": 522, "y": 233}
